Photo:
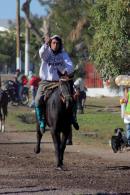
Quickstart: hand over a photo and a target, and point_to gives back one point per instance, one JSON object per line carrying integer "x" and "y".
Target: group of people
{"x": 20, "y": 80}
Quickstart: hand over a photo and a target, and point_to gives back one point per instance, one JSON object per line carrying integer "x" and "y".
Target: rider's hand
{"x": 47, "y": 39}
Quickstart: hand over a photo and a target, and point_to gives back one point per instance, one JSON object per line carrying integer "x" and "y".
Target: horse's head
{"x": 65, "y": 86}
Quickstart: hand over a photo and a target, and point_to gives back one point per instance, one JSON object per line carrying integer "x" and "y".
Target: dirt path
{"x": 87, "y": 170}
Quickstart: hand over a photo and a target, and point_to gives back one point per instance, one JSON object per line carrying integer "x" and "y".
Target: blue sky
{"x": 8, "y": 8}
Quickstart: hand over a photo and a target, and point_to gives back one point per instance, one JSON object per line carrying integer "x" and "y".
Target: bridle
{"x": 64, "y": 96}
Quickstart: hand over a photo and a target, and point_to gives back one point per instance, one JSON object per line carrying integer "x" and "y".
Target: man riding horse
{"x": 54, "y": 59}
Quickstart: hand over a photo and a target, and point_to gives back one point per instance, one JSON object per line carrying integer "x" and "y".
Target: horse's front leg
{"x": 3, "y": 125}
{"x": 39, "y": 137}
{"x": 65, "y": 136}
{"x": 57, "y": 145}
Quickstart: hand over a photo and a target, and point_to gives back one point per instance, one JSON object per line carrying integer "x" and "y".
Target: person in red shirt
{"x": 33, "y": 82}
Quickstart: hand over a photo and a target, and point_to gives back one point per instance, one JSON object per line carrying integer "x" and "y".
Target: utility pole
{"x": 27, "y": 39}
{"x": 18, "y": 57}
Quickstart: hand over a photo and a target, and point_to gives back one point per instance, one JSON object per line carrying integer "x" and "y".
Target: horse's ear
{"x": 61, "y": 74}
{"x": 71, "y": 75}
{"x": 65, "y": 75}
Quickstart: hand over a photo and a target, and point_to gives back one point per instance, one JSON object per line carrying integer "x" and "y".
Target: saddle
{"x": 48, "y": 89}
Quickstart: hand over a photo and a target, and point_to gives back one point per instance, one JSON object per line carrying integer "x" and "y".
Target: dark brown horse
{"x": 58, "y": 117}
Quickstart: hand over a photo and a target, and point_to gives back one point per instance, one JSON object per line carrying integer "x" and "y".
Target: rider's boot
{"x": 40, "y": 117}
{"x": 75, "y": 123}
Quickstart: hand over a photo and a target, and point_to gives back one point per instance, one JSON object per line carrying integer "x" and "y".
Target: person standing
{"x": 33, "y": 82}
{"x": 81, "y": 94}
{"x": 19, "y": 82}
{"x": 127, "y": 113}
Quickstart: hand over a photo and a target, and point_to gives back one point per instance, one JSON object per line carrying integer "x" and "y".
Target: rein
{"x": 62, "y": 95}
{"x": 54, "y": 85}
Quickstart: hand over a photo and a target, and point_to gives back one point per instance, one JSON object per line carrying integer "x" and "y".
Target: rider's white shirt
{"x": 51, "y": 63}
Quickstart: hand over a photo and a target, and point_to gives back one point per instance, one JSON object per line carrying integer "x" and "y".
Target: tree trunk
{"x": 30, "y": 24}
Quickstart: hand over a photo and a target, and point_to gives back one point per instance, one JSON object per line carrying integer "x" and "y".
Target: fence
{"x": 93, "y": 79}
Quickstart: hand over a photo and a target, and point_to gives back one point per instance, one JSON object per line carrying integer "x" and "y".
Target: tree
{"x": 110, "y": 48}
{"x": 70, "y": 19}
{"x": 34, "y": 42}
{"x": 7, "y": 50}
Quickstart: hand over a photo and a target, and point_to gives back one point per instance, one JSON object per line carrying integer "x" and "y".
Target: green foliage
{"x": 8, "y": 45}
{"x": 7, "y": 49}
{"x": 102, "y": 29}
{"x": 16, "y": 119}
{"x": 102, "y": 116}
{"x": 110, "y": 49}
{"x": 34, "y": 43}
{"x": 66, "y": 20}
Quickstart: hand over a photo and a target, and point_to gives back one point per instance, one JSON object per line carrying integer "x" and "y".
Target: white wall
{"x": 94, "y": 92}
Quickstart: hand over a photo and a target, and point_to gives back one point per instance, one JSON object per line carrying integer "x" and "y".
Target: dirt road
{"x": 87, "y": 170}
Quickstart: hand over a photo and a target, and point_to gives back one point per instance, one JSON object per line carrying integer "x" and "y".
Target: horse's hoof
{"x": 59, "y": 168}
{"x": 69, "y": 142}
{"x": 37, "y": 150}
{"x": 42, "y": 130}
